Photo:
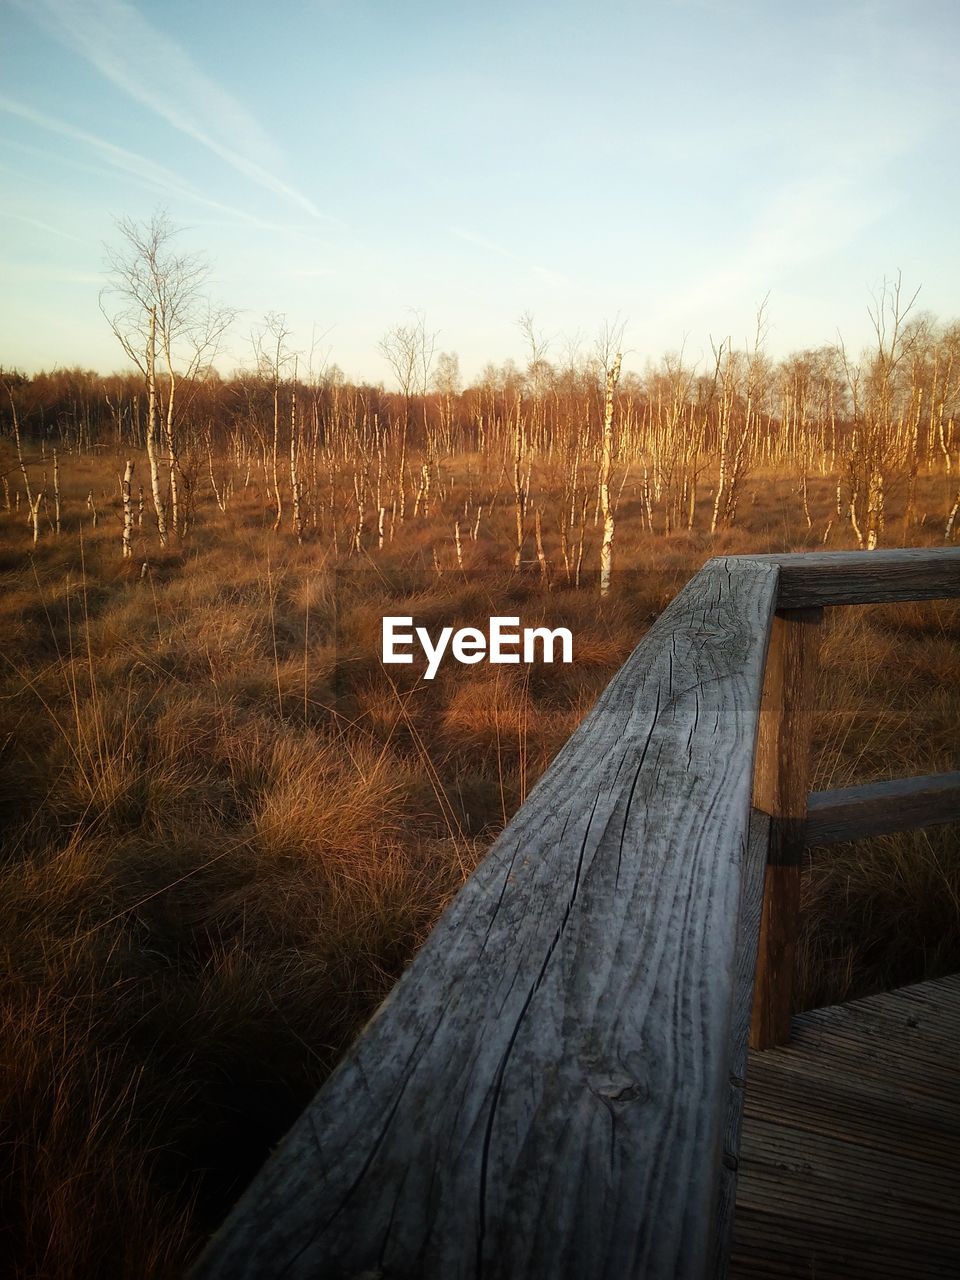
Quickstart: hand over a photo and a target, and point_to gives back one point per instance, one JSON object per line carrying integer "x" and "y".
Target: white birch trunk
{"x": 152, "y": 456}
{"x": 56, "y": 491}
{"x": 606, "y": 463}
{"x": 175, "y": 518}
{"x": 127, "y": 510}
{"x": 294, "y": 460}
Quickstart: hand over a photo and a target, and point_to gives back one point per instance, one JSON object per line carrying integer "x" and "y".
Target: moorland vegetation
{"x": 227, "y": 826}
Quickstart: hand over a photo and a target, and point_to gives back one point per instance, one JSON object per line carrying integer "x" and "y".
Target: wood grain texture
{"x": 881, "y": 808}
{"x": 544, "y": 1094}
{"x": 751, "y": 905}
{"x": 781, "y": 782}
{"x": 866, "y": 577}
{"x": 850, "y": 1151}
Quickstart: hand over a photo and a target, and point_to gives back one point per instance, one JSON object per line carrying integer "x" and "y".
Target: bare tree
{"x": 538, "y": 369}
{"x": 408, "y": 350}
{"x": 273, "y": 356}
{"x": 880, "y": 401}
{"x": 448, "y": 384}
{"x": 156, "y": 305}
{"x": 295, "y": 441}
{"x": 608, "y": 356}
{"x": 610, "y": 359}
{"x": 742, "y": 379}
{"x": 33, "y": 503}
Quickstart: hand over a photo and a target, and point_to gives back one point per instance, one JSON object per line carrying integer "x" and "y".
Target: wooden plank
{"x": 850, "y": 1164}
{"x": 866, "y": 577}
{"x": 881, "y": 808}
{"x": 751, "y": 906}
{"x": 780, "y": 789}
{"x": 544, "y": 1092}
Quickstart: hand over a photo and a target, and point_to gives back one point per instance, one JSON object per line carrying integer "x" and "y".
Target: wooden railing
{"x": 554, "y": 1087}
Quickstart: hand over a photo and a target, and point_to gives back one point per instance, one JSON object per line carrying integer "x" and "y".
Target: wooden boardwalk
{"x": 554, "y": 1089}
{"x": 850, "y": 1152}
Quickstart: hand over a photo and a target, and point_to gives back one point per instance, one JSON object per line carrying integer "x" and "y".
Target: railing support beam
{"x": 882, "y": 808}
{"x": 781, "y": 784}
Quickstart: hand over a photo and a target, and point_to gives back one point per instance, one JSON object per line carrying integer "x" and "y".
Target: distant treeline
{"x": 871, "y": 421}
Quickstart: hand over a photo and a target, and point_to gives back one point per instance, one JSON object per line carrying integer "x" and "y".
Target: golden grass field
{"x": 226, "y": 831}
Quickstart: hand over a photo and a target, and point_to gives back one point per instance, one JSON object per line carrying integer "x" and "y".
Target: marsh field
{"x": 227, "y": 826}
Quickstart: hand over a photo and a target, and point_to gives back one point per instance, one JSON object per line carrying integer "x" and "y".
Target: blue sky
{"x": 343, "y": 161}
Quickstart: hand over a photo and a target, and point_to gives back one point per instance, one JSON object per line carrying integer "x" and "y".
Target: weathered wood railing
{"x": 554, "y": 1087}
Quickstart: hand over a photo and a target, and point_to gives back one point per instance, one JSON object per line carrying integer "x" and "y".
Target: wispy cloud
{"x": 555, "y": 278}
{"x": 154, "y": 70}
{"x": 145, "y": 172}
{"x": 127, "y": 162}
{"x": 41, "y": 226}
{"x": 800, "y": 223}
{"x": 142, "y": 170}
{"x": 35, "y": 272}
{"x": 306, "y": 273}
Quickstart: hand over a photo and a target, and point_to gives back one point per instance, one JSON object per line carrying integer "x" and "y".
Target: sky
{"x": 348, "y": 162}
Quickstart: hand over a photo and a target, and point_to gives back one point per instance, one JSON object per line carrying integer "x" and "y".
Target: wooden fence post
{"x": 781, "y": 785}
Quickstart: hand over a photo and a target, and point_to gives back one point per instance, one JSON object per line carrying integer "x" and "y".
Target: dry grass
{"x": 226, "y": 832}
{"x": 881, "y": 913}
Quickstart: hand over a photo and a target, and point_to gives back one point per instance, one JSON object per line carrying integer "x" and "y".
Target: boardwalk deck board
{"x": 850, "y": 1147}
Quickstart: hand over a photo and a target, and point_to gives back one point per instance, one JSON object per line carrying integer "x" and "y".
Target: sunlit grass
{"x": 227, "y": 832}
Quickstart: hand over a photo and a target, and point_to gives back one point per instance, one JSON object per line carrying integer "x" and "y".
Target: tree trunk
{"x": 127, "y": 510}
{"x": 152, "y": 457}
{"x": 606, "y": 463}
{"x": 294, "y": 459}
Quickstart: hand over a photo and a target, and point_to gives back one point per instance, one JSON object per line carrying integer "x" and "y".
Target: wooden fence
{"x": 554, "y": 1088}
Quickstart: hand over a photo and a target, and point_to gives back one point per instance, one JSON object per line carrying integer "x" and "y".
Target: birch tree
{"x": 610, "y": 358}
{"x": 408, "y": 349}
{"x": 126, "y": 485}
{"x": 157, "y": 306}
{"x": 33, "y": 503}
{"x": 880, "y": 403}
{"x": 273, "y": 356}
